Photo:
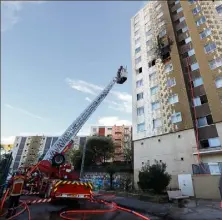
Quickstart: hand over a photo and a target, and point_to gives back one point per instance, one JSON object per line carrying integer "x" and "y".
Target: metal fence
{"x": 204, "y": 168}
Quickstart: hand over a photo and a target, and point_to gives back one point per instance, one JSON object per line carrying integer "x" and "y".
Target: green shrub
{"x": 154, "y": 177}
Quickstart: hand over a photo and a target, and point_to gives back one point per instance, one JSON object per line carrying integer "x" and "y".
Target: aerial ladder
{"x": 58, "y": 183}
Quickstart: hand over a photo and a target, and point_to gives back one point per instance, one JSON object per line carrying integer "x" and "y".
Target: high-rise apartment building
{"x": 26, "y": 150}
{"x": 121, "y": 136}
{"x": 177, "y": 85}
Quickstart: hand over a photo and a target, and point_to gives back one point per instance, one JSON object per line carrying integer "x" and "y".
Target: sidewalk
{"x": 203, "y": 211}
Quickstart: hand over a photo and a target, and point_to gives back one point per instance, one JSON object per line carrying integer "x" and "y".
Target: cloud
{"x": 123, "y": 100}
{"x": 113, "y": 120}
{"x": 11, "y": 12}
{"x": 88, "y": 99}
{"x": 24, "y": 112}
{"x": 7, "y": 140}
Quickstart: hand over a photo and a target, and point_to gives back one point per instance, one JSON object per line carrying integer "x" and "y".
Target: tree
{"x": 99, "y": 149}
{"x": 128, "y": 154}
{"x": 111, "y": 170}
{"x": 154, "y": 177}
{"x": 77, "y": 159}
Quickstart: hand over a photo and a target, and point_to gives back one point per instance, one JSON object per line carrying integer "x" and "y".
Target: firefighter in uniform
{"x": 16, "y": 185}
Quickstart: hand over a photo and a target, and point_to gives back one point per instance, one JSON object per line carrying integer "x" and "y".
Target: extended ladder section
{"x": 74, "y": 128}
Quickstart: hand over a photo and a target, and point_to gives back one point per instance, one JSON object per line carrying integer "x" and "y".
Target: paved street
{"x": 47, "y": 211}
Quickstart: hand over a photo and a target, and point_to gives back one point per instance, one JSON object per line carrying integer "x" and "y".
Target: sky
{"x": 56, "y": 57}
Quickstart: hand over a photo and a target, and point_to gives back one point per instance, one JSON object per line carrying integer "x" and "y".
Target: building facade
{"x": 27, "y": 150}
{"x": 177, "y": 85}
{"x": 121, "y": 136}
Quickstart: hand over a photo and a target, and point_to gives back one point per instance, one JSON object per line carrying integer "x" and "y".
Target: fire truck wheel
{"x": 58, "y": 160}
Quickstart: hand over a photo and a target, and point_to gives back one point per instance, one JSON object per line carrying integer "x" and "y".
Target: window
{"x": 154, "y": 90}
{"x": 138, "y": 60}
{"x": 137, "y": 40}
{"x": 200, "y": 21}
{"x": 173, "y": 99}
{"x": 149, "y": 32}
{"x": 184, "y": 29}
{"x": 109, "y": 129}
{"x": 155, "y": 105}
{"x": 181, "y": 19}
{"x": 214, "y": 168}
{"x": 176, "y": 117}
{"x": 218, "y": 82}
{"x": 194, "y": 66}
{"x": 140, "y": 111}
{"x": 158, "y": 7}
{"x": 139, "y": 96}
{"x": 168, "y": 68}
{"x": 214, "y": 142}
{"x": 196, "y": 101}
{"x": 205, "y": 33}
{"x": 140, "y": 70}
{"x": 200, "y": 100}
{"x": 137, "y": 25}
{"x": 210, "y": 47}
{"x": 219, "y": 9}
{"x": 140, "y": 127}
{"x": 191, "y": 52}
{"x": 204, "y": 121}
{"x": 179, "y": 9}
{"x": 139, "y": 83}
{"x": 162, "y": 33}
{"x": 196, "y": 10}
{"x": 137, "y": 50}
{"x": 157, "y": 123}
{"x": 191, "y": 1}
{"x": 136, "y": 18}
{"x": 215, "y": 63}
{"x": 152, "y": 63}
{"x": 159, "y": 15}
{"x": 136, "y": 32}
{"x": 188, "y": 40}
{"x": 161, "y": 24}
{"x": 171, "y": 82}
{"x": 153, "y": 76}
{"x": 149, "y": 43}
{"x": 198, "y": 81}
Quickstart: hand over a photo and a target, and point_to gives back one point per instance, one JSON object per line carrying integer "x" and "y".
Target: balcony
{"x": 185, "y": 48}
{"x": 203, "y": 110}
{"x": 182, "y": 36}
{"x": 118, "y": 137}
{"x": 199, "y": 91}
{"x": 181, "y": 25}
{"x": 177, "y": 16}
{"x": 118, "y": 143}
{"x": 188, "y": 60}
{"x": 209, "y": 131}
{"x": 209, "y": 150}
{"x": 175, "y": 7}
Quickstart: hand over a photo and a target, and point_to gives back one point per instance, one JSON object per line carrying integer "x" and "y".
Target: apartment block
{"x": 101, "y": 130}
{"x": 27, "y": 150}
{"x": 121, "y": 136}
{"x": 177, "y": 85}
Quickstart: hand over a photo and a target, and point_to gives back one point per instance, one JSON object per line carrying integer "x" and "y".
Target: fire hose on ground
{"x": 111, "y": 207}
{"x": 22, "y": 203}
